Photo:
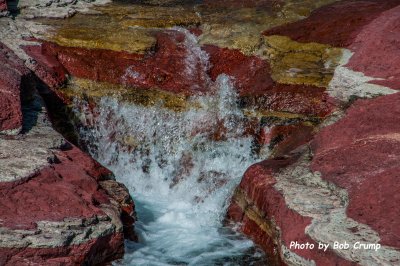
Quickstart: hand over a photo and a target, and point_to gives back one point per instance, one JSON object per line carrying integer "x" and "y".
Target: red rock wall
{"x": 166, "y": 70}
{"x": 359, "y": 153}
{"x": 47, "y": 68}
{"x": 58, "y": 206}
{"x": 14, "y": 76}
{"x": 257, "y": 187}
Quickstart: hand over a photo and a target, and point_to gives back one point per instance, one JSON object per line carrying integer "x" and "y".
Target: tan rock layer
{"x": 298, "y": 63}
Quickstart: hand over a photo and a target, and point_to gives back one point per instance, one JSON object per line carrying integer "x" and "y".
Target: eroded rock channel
{"x": 236, "y": 127}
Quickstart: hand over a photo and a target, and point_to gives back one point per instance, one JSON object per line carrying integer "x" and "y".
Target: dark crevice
{"x": 30, "y": 107}
{"x": 12, "y": 7}
{"x": 59, "y": 114}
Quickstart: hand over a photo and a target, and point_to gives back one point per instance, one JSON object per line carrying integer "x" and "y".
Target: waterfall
{"x": 181, "y": 168}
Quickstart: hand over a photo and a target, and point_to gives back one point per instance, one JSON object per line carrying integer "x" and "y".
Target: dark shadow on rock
{"x": 12, "y": 6}
{"x": 59, "y": 113}
{"x": 30, "y": 104}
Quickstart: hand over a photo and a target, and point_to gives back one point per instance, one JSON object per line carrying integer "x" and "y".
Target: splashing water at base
{"x": 181, "y": 179}
{"x": 180, "y": 176}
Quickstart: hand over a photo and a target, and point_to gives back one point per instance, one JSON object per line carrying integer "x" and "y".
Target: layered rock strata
{"x": 59, "y": 206}
{"x": 340, "y": 186}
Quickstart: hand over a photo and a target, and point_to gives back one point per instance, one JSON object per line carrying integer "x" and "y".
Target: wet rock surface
{"x": 298, "y": 68}
{"x": 166, "y": 69}
{"x": 259, "y": 92}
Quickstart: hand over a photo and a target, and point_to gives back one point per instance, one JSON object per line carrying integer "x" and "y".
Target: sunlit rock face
{"x": 336, "y": 24}
{"x": 99, "y": 32}
{"x": 297, "y": 63}
{"x": 81, "y": 88}
{"x": 238, "y": 24}
{"x": 178, "y": 100}
{"x": 158, "y": 58}
{"x": 379, "y": 63}
{"x": 129, "y": 28}
{"x": 154, "y": 16}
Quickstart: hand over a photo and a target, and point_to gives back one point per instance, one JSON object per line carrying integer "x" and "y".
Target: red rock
{"x": 3, "y": 5}
{"x": 257, "y": 184}
{"x": 47, "y": 68}
{"x": 286, "y": 138}
{"x": 65, "y": 189}
{"x": 252, "y": 75}
{"x": 72, "y": 186}
{"x": 250, "y": 228}
{"x": 297, "y": 99}
{"x": 256, "y": 88}
{"x": 14, "y": 78}
{"x": 121, "y": 195}
{"x": 381, "y": 209}
{"x": 234, "y": 212}
{"x": 94, "y": 252}
{"x": 89, "y": 64}
{"x": 361, "y": 153}
{"x": 337, "y": 24}
{"x": 195, "y": 30}
{"x": 173, "y": 66}
{"x": 377, "y": 49}
{"x": 258, "y": 187}
{"x": 367, "y": 118}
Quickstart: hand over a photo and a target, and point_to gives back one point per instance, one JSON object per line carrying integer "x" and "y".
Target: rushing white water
{"x": 180, "y": 175}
